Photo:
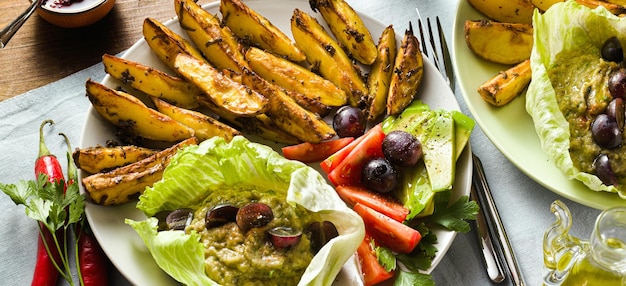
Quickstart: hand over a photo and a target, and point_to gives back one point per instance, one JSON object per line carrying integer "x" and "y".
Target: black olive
{"x": 179, "y": 219}
{"x": 612, "y": 50}
{"x": 254, "y": 215}
{"x": 321, "y": 233}
{"x": 604, "y": 171}
{"x": 284, "y": 237}
{"x": 220, "y": 215}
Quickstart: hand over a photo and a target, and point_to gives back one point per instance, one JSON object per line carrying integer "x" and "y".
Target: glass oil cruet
{"x": 601, "y": 260}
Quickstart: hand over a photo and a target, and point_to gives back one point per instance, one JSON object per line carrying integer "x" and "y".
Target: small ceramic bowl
{"x": 78, "y": 14}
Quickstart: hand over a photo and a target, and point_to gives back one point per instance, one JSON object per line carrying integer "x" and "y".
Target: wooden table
{"x": 41, "y": 53}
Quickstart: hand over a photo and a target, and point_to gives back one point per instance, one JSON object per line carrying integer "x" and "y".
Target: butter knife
{"x": 493, "y": 265}
{"x": 483, "y": 193}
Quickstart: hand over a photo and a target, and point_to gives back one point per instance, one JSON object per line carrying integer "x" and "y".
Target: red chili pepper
{"x": 45, "y": 272}
{"x": 93, "y": 262}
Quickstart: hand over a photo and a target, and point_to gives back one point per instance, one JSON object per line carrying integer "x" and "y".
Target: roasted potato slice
{"x": 218, "y": 44}
{"x": 126, "y": 111}
{"x": 506, "y": 11}
{"x": 294, "y": 77}
{"x": 166, "y": 44}
{"x": 101, "y": 159}
{"x": 152, "y": 82}
{"x": 287, "y": 114}
{"x": 408, "y": 70}
{"x": 249, "y": 25}
{"x": 203, "y": 125}
{"x": 261, "y": 125}
{"x": 126, "y": 183}
{"x": 506, "y": 85}
{"x": 503, "y": 43}
{"x": 327, "y": 57}
{"x": 222, "y": 90}
{"x": 380, "y": 75}
{"x": 612, "y": 7}
{"x": 348, "y": 28}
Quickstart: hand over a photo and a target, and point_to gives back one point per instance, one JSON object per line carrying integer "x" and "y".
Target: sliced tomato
{"x": 373, "y": 272}
{"x": 353, "y": 194}
{"x": 388, "y": 232}
{"x": 348, "y": 171}
{"x": 334, "y": 159}
{"x": 308, "y": 152}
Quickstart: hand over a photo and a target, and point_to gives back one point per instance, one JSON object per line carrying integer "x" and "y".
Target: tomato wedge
{"x": 354, "y": 194}
{"x": 334, "y": 159}
{"x": 309, "y": 152}
{"x": 348, "y": 171}
{"x": 388, "y": 232}
{"x": 373, "y": 272}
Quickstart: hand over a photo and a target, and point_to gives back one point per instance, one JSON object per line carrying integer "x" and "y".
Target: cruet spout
{"x": 557, "y": 241}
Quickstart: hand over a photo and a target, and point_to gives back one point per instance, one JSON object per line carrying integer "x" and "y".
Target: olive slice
{"x": 220, "y": 215}
{"x": 179, "y": 219}
{"x": 254, "y": 215}
{"x": 284, "y": 237}
{"x": 321, "y": 233}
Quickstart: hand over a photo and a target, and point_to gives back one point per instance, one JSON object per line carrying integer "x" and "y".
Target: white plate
{"x": 509, "y": 127}
{"x": 126, "y": 249}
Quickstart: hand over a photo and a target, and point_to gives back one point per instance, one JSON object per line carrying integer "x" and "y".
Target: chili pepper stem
{"x": 43, "y": 149}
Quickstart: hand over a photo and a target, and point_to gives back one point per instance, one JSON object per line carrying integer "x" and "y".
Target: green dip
{"x": 579, "y": 79}
{"x": 237, "y": 258}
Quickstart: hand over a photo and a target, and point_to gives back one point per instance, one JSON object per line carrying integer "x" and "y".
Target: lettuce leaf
{"x": 566, "y": 26}
{"x": 215, "y": 164}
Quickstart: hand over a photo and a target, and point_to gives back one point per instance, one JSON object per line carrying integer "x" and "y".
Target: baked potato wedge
{"x": 327, "y": 57}
{"x": 102, "y": 159}
{"x": 408, "y": 70}
{"x": 222, "y": 90}
{"x": 612, "y": 7}
{"x": 348, "y": 28}
{"x": 291, "y": 76}
{"x": 287, "y": 114}
{"x": 255, "y": 29}
{"x": 544, "y": 5}
{"x": 506, "y": 11}
{"x": 203, "y": 125}
{"x": 128, "y": 112}
{"x": 506, "y": 85}
{"x": 152, "y": 82}
{"x": 380, "y": 75}
{"x": 218, "y": 44}
{"x": 166, "y": 44}
{"x": 260, "y": 126}
{"x": 126, "y": 183}
{"x": 503, "y": 43}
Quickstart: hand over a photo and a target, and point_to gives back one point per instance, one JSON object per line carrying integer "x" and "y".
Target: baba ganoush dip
{"x": 568, "y": 89}
{"x": 242, "y": 173}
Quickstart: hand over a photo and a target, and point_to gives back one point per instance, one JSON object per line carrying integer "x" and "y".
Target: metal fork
{"x": 488, "y": 217}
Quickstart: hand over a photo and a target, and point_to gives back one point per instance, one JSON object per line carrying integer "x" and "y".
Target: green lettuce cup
{"x": 213, "y": 165}
{"x": 566, "y": 27}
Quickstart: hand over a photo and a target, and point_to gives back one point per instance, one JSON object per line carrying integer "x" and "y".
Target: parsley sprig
{"x": 55, "y": 209}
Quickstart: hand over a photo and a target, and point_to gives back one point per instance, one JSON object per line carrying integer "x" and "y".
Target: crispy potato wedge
{"x": 287, "y": 114}
{"x": 408, "y": 70}
{"x": 218, "y": 44}
{"x": 249, "y": 25}
{"x": 203, "y": 125}
{"x": 102, "y": 159}
{"x": 616, "y": 2}
{"x": 294, "y": 77}
{"x": 327, "y": 57}
{"x": 544, "y": 5}
{"x": 152, "y": 82}
{"x": 380, "y": 75}
{"x": 126, "y": 183}
{"x": 126, "y": 111}
{"x": 166, "y": 44}
{"x": 348, "y": 28}
{"x": 261, "y": 125}
{"x": 222, "y": 90}
{"x": 506, "y": 85}
{"x": 503, "y": 43}
{"x": 308, "y": 103}
{"x": 612, "y": 7}
{"x": 506, "y": 11}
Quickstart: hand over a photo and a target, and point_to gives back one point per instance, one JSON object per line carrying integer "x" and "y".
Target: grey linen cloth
{"x": 523, "y": 203}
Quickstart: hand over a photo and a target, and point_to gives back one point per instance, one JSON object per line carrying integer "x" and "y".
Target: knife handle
{"x": 493, "y": 265}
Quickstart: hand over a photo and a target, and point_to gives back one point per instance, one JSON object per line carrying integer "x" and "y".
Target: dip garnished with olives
{"x": 238, "y": 213}
{"x": 576, "y": 95}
